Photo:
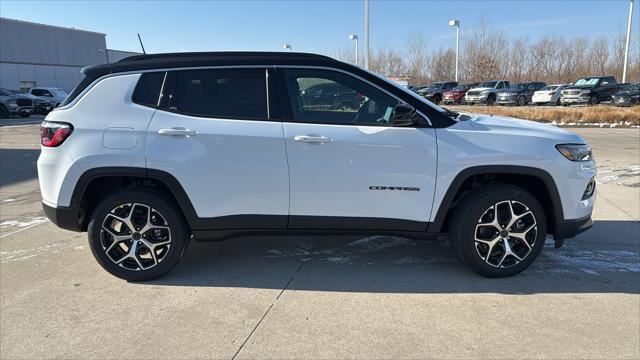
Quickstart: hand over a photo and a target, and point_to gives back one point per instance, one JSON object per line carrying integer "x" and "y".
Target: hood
{"x": 482, "y": 89}
{"x": 513, "y": 126}
{"x": 581, "y": 87}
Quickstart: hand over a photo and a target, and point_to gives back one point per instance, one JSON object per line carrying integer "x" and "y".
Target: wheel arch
{"x": 96, "y": 183}
{"x": 537, "y": 181}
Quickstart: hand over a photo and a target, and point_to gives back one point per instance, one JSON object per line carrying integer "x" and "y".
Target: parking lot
{"x": 320, "y": 297}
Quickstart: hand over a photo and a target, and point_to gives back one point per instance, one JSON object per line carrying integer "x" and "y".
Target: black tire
{"x": 593, "y": 100}
{"x": 522, "y": 101}
{"x": 178, "y": 230}
{"x": 4, "y": 113}
{"x": 491, "y": 100}
{"x": 468, "y": 213}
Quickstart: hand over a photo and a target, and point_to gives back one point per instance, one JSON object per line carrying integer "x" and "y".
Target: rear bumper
{"x": 567, "y": 229}
{"x": 63, "y": 217}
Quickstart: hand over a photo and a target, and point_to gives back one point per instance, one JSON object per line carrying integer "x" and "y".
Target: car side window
{"x": 223, "y": 93}
{"x": 351, "y": 101}
{"x": 36, "y": 92}
{"x": 46, "y": 93}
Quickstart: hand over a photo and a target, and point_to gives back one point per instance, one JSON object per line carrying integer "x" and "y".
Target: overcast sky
{"x": 315, "y": 26}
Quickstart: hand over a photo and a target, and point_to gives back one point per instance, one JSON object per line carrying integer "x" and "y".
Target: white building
{"x": 34, "y": 54}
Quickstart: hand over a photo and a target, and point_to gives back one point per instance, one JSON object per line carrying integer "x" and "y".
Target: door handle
{"x": 309, "y": 139}
{"x": 177, "y": 132}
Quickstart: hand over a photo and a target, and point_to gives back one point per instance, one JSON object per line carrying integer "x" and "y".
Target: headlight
{"x": 585, "y": 92}
{"x": 575, "y": 152}
{"x": 12, "y": 101}
{"x": 484, "y": 92}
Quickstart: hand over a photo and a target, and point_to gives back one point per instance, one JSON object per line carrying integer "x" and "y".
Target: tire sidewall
{"x": 177, "y": 228}
{"x": 474, "y": 213}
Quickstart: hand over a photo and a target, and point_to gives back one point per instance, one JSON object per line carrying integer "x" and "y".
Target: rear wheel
{"x": 498, "y": 230}
{"x": 522, "y": 101}
{"x": 136, "y": 235}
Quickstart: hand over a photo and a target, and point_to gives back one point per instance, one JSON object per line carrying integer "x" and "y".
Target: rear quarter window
{"x": 148, "y": 88}
{"x": 84, "y": 83}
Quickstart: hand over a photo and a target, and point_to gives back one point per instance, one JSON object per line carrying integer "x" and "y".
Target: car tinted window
{"x": 84, "y": 83}
{"x": 226, "y": 93}
{"x": 148, "y": 89}
{"x": 356, "y": 103}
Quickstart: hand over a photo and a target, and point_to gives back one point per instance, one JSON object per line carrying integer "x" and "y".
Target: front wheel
{"x": 136, "y": 235}
{"x": 491, "y": 100}
{"x": 498, "y": 230}
{"x": 522, "y": 101}
{"x": 593, "y": 100}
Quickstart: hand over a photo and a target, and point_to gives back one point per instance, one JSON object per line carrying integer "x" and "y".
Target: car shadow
{"x": 594, "y": 262}
{"x": 17, "y": 165}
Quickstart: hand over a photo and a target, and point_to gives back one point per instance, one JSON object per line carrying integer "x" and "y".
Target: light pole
{"x": 287, "y": 46}
{"x": 456, "y": 23}
{"x": 366, "y": 34}
{"x": 354, "y": 37}
{"x": 626, "y": 49}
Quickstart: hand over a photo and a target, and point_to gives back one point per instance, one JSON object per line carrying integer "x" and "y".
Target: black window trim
{"x": 286, "y": 101}
{"x": 169, "y": 76}
{"x": 164, "y": 79}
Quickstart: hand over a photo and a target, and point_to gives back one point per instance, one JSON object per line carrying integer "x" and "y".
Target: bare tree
{"x": 600, "y": 55}
{"x": 417, "y": 58}
{"x": 443, "y": 65}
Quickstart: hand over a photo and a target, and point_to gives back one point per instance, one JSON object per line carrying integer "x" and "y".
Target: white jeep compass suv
{"x": 153, "y": 150}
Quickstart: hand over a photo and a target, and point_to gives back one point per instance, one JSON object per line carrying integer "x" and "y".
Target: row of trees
{"x": 487, "y": 53}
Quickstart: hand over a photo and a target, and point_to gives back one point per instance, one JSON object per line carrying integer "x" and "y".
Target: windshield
{"x": 4, "y": 92}
{"x": 549, "y": 88}
{"x": 587, "y": 81}
{"x": 634, "y": 87}
{"x": 488, "y": 84}
{"x": 520, "y": 86}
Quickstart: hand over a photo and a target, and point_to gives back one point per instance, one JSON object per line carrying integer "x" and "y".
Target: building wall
{"x": 34, "y": 54}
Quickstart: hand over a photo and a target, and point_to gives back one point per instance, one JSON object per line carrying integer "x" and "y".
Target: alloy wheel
{"x": 135, "y": 236}
{"x": 505, "y": 234}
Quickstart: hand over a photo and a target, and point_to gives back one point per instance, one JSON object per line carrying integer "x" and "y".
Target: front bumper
{"x": 67, "y": 218}
{"x": 476, "y": 99}
{"x": 574, "y": 100}
{"x": 567, "y": 229}
{"x": 21, "y": 110}
{"x": 507, "y": 100}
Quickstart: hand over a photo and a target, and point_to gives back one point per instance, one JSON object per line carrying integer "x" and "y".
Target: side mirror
{"x": 404, "y": 115}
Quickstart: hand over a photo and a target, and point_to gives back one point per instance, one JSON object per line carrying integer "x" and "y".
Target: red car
{"x": 456, "y": 95}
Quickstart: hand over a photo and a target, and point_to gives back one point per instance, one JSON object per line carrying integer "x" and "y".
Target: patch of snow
{"x": 338, "y": 259}
{"x": 33, "y": 221}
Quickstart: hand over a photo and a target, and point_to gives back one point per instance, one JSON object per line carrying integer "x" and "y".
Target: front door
{"x": 349, "y": 167}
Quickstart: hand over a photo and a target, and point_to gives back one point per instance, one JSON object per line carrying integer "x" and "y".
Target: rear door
{"x": 214, "y": 134}
{"x": 349, "y": 167}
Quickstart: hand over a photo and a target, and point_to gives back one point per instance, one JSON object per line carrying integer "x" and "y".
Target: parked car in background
{"x": 627, "y": 96}
{"x": 14, "y": 104}
{"x": 41, "y": 106}
{"x": 331, "y": 96}
{"x": 433, "y": 92}
{"x": 485, "y": 93}
{"x": 56, "y": 94}
{"x": 456, "y": 95}
{"x": 590, "y": 90}
{"x": 549, "y": 94}
{"x": 519, "y": 94}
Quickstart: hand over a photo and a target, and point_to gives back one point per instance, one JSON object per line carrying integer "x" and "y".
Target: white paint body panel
{"x": 333, "y": 179}
{"x": 493, "y": 140}
{"x": 106, "y": 104}
{"x": 232, "y": 167}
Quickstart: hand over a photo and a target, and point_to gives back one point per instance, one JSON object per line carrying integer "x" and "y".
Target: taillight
{"x": 54, "y": 133}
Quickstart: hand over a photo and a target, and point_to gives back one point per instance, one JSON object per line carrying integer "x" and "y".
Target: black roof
{"x": 192, "y": 59}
